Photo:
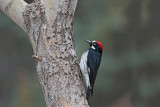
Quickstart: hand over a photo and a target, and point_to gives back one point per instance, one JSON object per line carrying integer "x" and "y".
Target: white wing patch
{"x": 84, "y": 69}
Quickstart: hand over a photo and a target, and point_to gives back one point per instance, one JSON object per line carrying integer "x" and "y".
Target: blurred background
{"x": 129, "y": 75}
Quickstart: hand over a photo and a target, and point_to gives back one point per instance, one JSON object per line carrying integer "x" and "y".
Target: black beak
{"x": 90, "y": 43}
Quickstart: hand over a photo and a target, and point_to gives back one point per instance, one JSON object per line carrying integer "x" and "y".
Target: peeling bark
{"x": 49, "y": 25}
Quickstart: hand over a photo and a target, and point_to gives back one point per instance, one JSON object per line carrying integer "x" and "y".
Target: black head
{"x": 95, "y": 45}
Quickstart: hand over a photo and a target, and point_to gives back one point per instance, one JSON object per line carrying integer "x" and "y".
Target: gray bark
{"x": 49, "y": 25}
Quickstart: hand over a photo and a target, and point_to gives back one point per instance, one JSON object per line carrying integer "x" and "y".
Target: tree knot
{"x": 36, "y": 58}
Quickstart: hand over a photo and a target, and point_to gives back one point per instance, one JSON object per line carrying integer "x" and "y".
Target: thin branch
{"x": 14, "y": 9}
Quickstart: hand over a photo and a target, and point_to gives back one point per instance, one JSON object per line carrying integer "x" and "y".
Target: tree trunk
{"x": 49, "y": 25}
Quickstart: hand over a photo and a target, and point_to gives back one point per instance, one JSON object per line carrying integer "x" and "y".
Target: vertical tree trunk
{"x": 49, "y": 24}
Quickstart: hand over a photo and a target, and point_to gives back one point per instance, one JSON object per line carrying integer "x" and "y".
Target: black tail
{"x": 88, "y": 94}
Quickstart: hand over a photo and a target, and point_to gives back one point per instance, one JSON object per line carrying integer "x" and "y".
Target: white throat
{"x": 93, "y": 47}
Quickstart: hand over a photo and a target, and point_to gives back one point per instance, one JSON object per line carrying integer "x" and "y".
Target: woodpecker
{"x": 89, "y": 64}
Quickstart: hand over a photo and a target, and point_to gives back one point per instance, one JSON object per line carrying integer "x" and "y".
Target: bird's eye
{"x": 94, "y": 44}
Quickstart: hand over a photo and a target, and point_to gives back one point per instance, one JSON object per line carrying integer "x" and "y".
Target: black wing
{"x": 94, "y": 59}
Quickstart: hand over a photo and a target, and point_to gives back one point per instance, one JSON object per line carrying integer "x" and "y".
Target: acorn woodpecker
{"x": 89, "y": 64}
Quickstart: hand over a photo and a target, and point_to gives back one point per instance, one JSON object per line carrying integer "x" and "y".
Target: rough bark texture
{"x": 49, "y": 24}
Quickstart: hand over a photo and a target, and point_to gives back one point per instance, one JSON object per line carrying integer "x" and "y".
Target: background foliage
{"x": 129, "y": 75}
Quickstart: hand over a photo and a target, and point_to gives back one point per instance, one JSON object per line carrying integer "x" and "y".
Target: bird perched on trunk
{"x": 89, "y": 64}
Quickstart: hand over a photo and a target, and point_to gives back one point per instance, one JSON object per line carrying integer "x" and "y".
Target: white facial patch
{"x": 93, "y": 47}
